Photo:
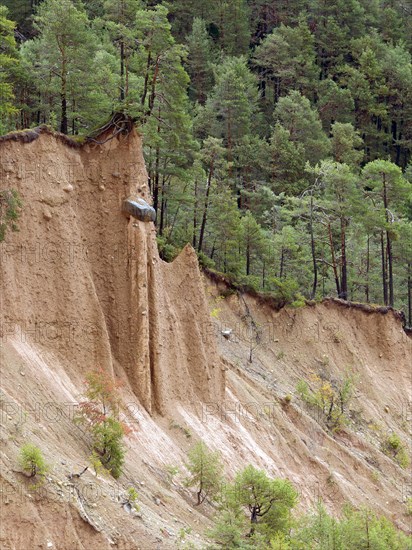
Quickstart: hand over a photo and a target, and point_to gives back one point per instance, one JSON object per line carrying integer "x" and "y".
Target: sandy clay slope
{"x": 82, "y": 286}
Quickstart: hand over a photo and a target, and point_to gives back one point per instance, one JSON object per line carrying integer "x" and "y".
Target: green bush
{"x": 132, "y": 497}
{"x": 100, "y": 414}
{"x": 108, "y": 444}
{"x": 171, "y": 473}
{"x": 332, "y": 400}
{"x": 32, "y": 461}
{"x": 356, "y": 529}
{"x": 167, "y": 251}
{"x": 96, "y": 464}
{"x": 269, "y": 502}
{"x": 396, "y": 449}
{"x": 299, "y": 301}
{"x": 10, "y": 205}
{"x": 228, "y": 530}
{"x": 249, "y": 282}
{"x": 285, "y": 290}
{"x": 205, "y": 261}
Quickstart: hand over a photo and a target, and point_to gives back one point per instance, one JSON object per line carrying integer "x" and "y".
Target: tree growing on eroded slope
{"x": 32, "y": 460}
{"x": 100, "y": 413}
{"x": 268, "y": 501}
{"x": 206, "y": 471}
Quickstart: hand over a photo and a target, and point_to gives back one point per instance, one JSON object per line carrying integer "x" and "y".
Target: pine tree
{"x": 95, "y": 8}
{"x": 8, "y": 62}
{"x": 294, "y": 112}
{"x": 169, "y": 144}
{"x": 397, "y": 69}
{"x": 228, "y": 529}
{"x": 392, "y": 25}
{"x": 61, "y": 60}
{"x": 335, "y": 104}
{"x": 205, "y": 468}
{"x": 32, "y": 460}
{"x": 342, "y": 203}
{"x": 403, "y": 258}
{"x": 250, "y": 168}
{"x": 287, "y": 162}
{"x": 287, "y": 57}
{"x": 381, "y": 91}
{"x": 182, "y": 13}
{"x": 200, "y": 61}
{"x": 386, "y": 188}
{"x": 268, "y": 501}
{"x": 22, "y": 12}
{"x": 335, "y": 22}
{"x": 231, "y": 18}
{"x": 266, "y": 15}
{"x": 224, "y": 235}
{"x": 231, "y": 107}
{"x": 157, "y": 49}
{"x": 252, "y": 240}
{"x": 108, "y": 444}
{"x": 213, "y": 158}
{"x": 346, "y": 143}
{"x": 99, "y": 412}
{"x": 121, "y": 23}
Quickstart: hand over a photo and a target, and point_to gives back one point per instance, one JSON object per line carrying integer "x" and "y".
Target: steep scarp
{"x": 82, "y": 280}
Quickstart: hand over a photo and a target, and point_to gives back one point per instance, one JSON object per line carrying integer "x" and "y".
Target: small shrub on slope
{"x": 32, "y": 461}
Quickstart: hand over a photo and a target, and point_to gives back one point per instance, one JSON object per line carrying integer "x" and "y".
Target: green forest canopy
{"x": 277, "y": 135}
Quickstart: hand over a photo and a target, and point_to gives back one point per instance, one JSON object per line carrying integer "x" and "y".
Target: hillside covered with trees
{"x": 278, "y": 134}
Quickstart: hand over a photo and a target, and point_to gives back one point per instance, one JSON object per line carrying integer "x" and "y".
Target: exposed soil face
{"x": 83, "y": 286}
{"x": 88, "y": 283}
{"x": 331, "y": 341}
